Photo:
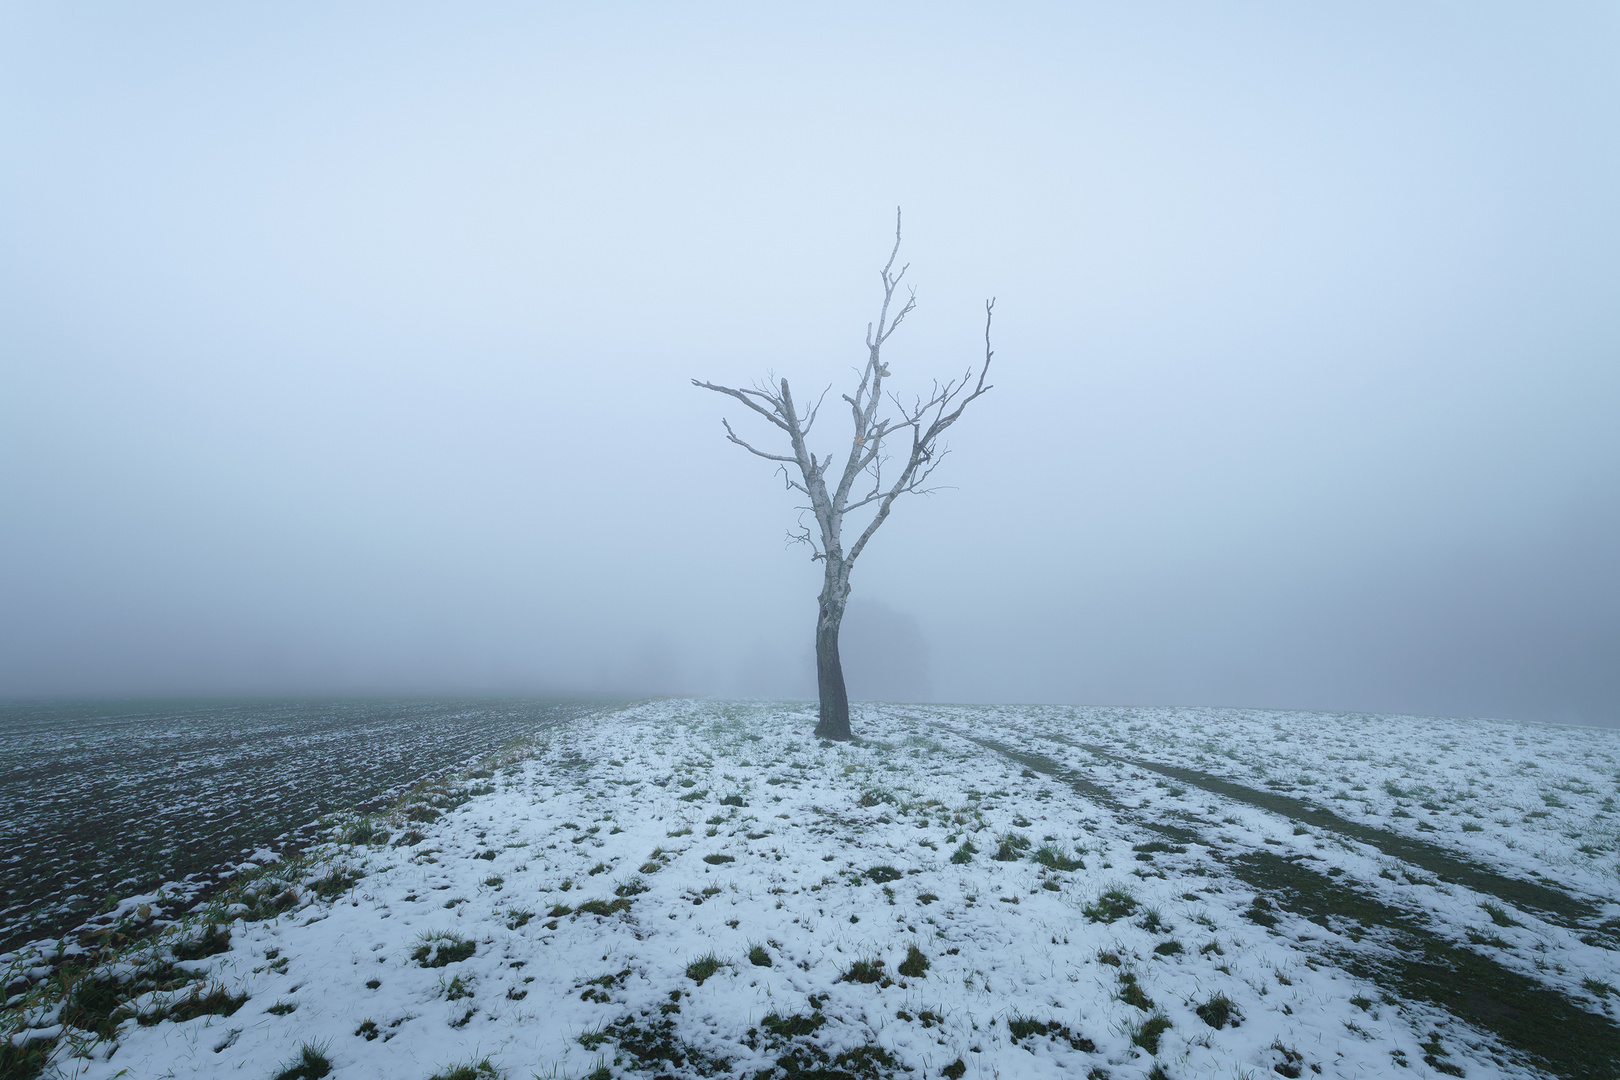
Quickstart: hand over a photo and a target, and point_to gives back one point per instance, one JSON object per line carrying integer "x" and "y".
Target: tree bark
{"x": 833, "y": 722}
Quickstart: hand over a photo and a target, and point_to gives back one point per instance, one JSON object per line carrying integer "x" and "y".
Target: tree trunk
{"x": 834, "y": 720}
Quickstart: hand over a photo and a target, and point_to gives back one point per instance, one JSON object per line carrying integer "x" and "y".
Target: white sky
{"x": 349, "y": 350}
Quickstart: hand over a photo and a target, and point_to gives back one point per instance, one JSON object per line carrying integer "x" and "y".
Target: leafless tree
{"x": 881, "y": 420}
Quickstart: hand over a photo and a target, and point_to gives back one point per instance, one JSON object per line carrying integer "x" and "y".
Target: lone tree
{"x": 869, "y": 455}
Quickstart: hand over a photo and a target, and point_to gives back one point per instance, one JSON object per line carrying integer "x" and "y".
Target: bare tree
{"x": 924, "y": 420}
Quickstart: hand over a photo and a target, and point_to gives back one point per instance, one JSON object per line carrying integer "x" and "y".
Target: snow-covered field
{"x": 697, "y": 888}
{"x": 112, "y": 798}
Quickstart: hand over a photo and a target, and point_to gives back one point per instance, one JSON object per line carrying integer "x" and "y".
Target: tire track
{"x": 1405, "y": 956}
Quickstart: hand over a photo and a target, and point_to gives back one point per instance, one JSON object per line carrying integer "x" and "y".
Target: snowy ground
{"x": 113, "y": 798}
{"x": 694, "y": 888}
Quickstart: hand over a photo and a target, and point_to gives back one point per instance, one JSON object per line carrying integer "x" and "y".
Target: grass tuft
{"x": 1011, "y": 846}
{"x": 1147, "y": 1033}
{"x": 435, "y": 950}
{"x": 1055, "y": 858}
{"x": 915, "y": 965}
{"x": 24, "y": 1061}
{"x": 703, "y": 968}
{"x": 336, "y": 882}
{"x": 1021, "y": 1027}
{"x": 473, "y": 1070}
{"x": 215, "y": 941}
{"x": 863, "y": 971}
{"x": 1219, "y": 1011}
{"x": 310, "y": 1064}
{"x": 1111, "y": 904}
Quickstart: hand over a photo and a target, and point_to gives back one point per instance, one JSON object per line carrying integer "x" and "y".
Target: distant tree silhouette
{"x": 925, "y": 419}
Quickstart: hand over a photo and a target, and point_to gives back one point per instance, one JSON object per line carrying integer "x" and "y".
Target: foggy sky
{"x": 349, "y": 351}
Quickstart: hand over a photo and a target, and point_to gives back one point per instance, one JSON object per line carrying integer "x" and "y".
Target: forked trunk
{"x": 834, "y": 719}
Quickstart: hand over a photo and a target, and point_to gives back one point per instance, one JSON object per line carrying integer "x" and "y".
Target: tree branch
{"x": 868, "y": 453}
{"x": 732, "y": 436}
{"x": 773, "y": 414}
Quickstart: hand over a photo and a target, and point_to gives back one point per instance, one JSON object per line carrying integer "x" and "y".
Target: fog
{"x": 350, "y": 351}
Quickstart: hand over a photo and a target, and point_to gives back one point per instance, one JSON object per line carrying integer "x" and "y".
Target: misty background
{"x": 347, "y": 351}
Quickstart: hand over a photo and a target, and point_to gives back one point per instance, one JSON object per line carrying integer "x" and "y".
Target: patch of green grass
{"x": 91, "y": 1003}
{"x": 1292, "y": 1060}
{"x": 597, "y": 989}
{"x": 335, "y": 883}
{"x": 282, "y": 1008}
{"x": 634, "y": 887}
{"x": 1147, "y": 1033}
{"x": 733, "y": 800}
{"x": 216, "y": 940}
{"x": 915, "y": 965}
{"x": 1111, "y": 904}
{"x": 1260, "y": 912}
{"x": 789, "y": 1027}
{"x": 435, "y": 950}
{"x": 1220, "y": 1011}
{"x": 1010, "y": 847}
{"x": 1021, "y": 1027}
{"x": 881, "y": 874}
{"x": 1132, "y": 994}
{"x": 365, "y": 831}
{"x": 863, "y": 971}
{"x": 758, "y": 956}
{"x": 704, "y": 968}
{"x": 310, "y": 1064}
{"x": 652, "y": 1046}
{"x": 1167, "y": 948}
{"x": 1498, "y": 915}
{"x": 474, "y": 1070}
{"x": 965, "y": 853}
{"x": 26, "y": 1061}
{"x": 1056, "y": 858}
{"x": 217, "y": 1001}
{"x": 604, "y": 908}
